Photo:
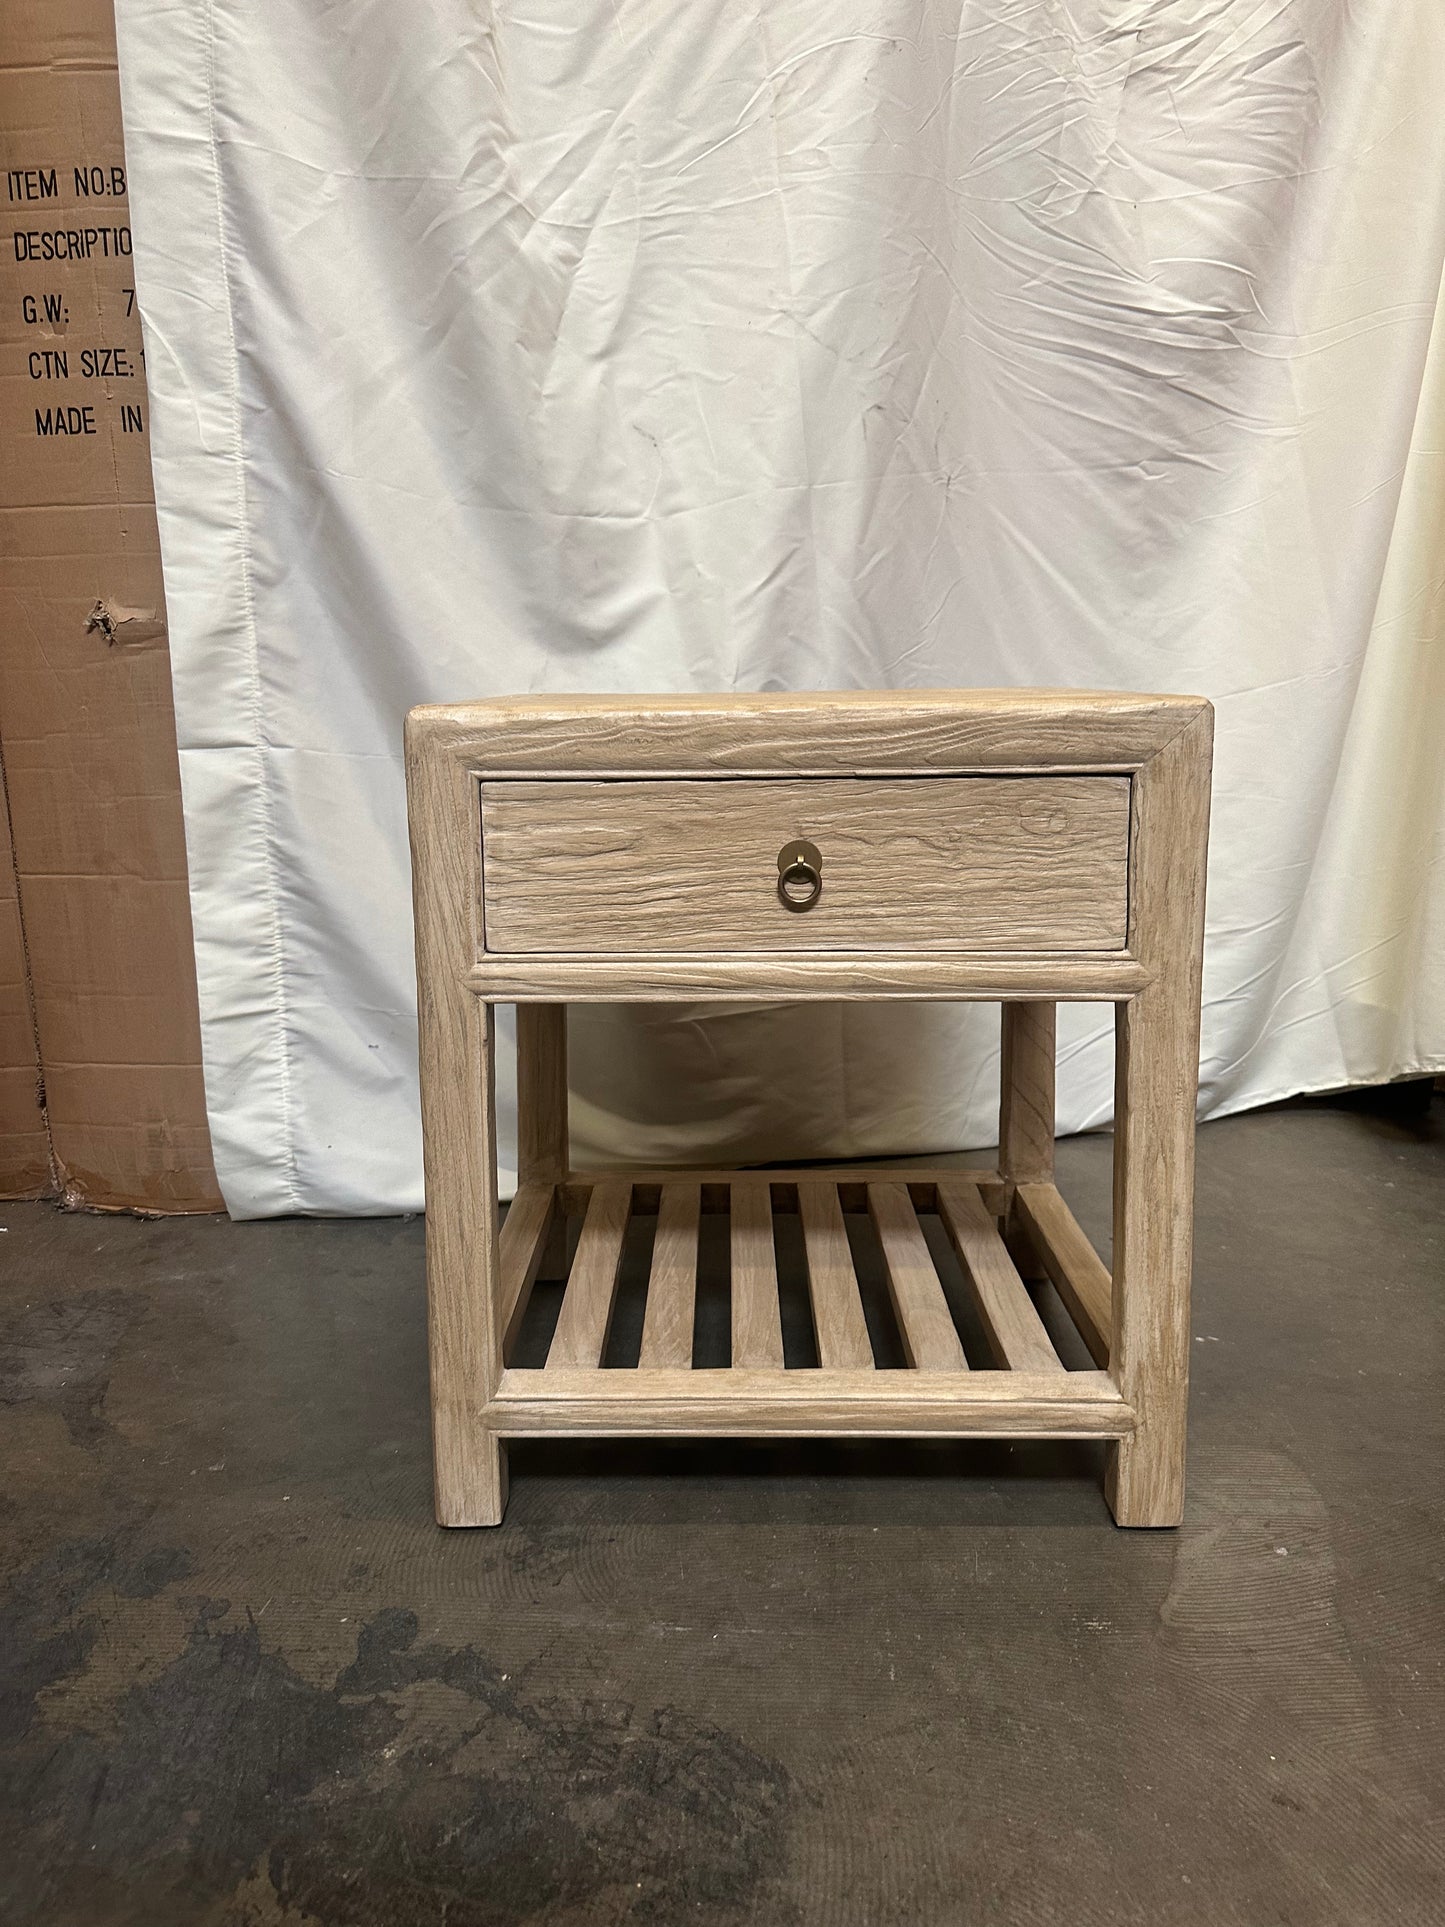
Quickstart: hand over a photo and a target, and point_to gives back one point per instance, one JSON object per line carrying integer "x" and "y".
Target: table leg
{"x": 463, "y": 1269}
{"x": 1026, "y": 1116}
{"x": 543, "y": 1151}
{"x": 459, "y": 1131}
{"x": 1156, "y": 1080}
{"x": 1156, "y": 1089}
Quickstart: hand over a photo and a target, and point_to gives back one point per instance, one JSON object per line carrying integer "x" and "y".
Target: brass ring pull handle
{"x": 800, "y": 878}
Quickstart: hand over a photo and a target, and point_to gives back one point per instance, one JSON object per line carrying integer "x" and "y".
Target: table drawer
{"x": 969, "y": 863}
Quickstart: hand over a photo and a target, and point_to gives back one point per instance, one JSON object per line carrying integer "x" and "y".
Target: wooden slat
{"x": 586, "y": 1314}
{"x": 924, "y": 1320}
{"x": 1079, "y": 1274}
{"x": 838, "y": 1321}
{"x": 772, "y": 1404}
{"x": 521, "y": 1246}
{"x": 1015, "y": 1330}
{"x": 757, "y": 1321}
{"x": 672, "y": 1287}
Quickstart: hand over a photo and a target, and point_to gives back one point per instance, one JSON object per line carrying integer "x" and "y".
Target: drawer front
{"x": 969, "y": 863}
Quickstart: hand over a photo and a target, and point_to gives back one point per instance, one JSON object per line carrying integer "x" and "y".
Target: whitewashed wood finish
{"x": 756, "y": 1315}
{"x": 525, "y": 1232}
{"x": 1079, "y": 1274}
{"x": 457, "y": 1051}
{"x": 851, "y": 1181}
{"x": 586, "y": 1315}
{"x": 1027, "y": 1065}
{"x": 824, "y": 977}
{"x": 838, "y": 1322}
{"x": 541, "y": 1093}
{"x": 925, "y": 1324}
{"x": 667, "y": 1323}
{"x": 1016, "y": 1334}
{"x": 1026, "y": 1093}
{"x": 542, "y": 1140}
{"x": 974, "y": 863}
{"x": 771, "y": 1404}
{"x": 476, "y": 1292}
{"x": 1015, "y": 1330}
{"x": 832, "y": 733}
{"x": 1156, "y": 1087}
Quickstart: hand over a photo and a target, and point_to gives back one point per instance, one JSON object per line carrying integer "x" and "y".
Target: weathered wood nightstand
{"x": 1024, "y": 846}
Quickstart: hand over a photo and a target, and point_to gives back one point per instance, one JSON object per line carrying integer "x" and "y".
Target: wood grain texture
{"x": 1156, "y": 1089}
{"x": 770, "y": 1404}
{"x": 837, "y": 732}
{"x": 1015, "y": 1330}
{"x": 1079, "y": 1274}
{"x": 1026, "y": 1092}
{"x": 541, "y": 1093}
{"x": 523, "y": 1241}
{"x": 457, "y": 1051}
{"x": 1084, "y": 743}
{"x": 667, "y": 1322}
{"x": 587, "y": 1304}
{"x": 925, "y": 1324}
{"x": 838, "y": 1322}
{"x": 851, "y": 1182}
{"x": 974, "y": 863}
{"x": 756, "y": 1316}
{"x": 828, "y": 977}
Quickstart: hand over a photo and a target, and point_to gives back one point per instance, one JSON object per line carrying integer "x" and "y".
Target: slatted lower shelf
{"x": 976, "y": 1356}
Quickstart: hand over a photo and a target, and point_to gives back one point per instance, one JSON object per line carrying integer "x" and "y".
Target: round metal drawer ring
{"x": 800, "y": 878}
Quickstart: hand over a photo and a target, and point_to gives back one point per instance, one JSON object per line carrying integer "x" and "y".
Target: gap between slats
{"x": 1016, "y": 1335}
{"x": 1015, "y": 1331}
{"x": 1080, "y": 1276}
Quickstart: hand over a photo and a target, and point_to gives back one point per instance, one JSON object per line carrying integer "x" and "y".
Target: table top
{"x": 809, "y": 732}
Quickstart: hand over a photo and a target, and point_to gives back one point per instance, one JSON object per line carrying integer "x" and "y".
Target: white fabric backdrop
{"x": 627, "y": 344}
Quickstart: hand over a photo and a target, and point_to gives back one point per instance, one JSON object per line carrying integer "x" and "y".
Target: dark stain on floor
{"x": 245, "y": 1682}
{"x": 370, "y": 1801}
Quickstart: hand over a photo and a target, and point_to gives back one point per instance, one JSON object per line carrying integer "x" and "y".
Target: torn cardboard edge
{"x": 125, "y": 628}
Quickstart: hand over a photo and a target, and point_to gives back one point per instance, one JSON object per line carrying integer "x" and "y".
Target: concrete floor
{"x": 245, "y": 1681}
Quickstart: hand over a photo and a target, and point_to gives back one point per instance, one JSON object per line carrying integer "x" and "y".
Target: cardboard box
{"x": 24, "y": 1147}
{"x": 87, "y": 732}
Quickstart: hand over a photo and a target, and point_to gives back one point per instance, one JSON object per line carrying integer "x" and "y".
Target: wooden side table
{"x": 1020, "y": 846}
